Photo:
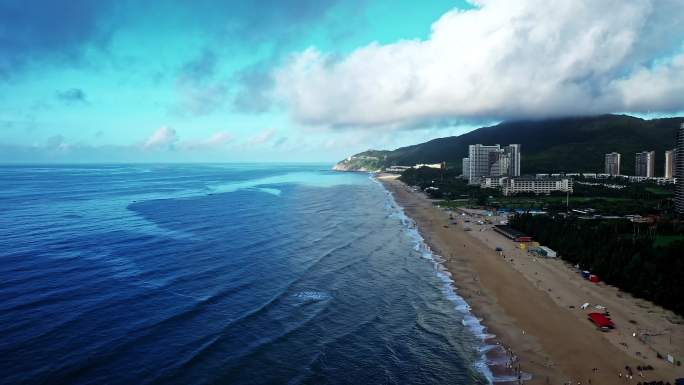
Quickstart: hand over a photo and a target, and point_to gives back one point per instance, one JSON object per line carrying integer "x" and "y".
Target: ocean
{"x": 221, "y": 274}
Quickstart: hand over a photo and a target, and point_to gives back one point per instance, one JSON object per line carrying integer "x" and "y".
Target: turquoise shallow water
{"x": 237, "y": 274}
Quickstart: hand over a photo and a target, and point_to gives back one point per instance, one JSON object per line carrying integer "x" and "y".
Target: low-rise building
{"x": 397, "y": 168}
{"x": 431, "y": 165}
{"x": 510, "y": 186}
{"x": 490, "y": 182}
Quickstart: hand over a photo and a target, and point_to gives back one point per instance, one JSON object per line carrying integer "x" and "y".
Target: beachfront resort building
{"x": 679, "y": 171}
{"x": 645, "y": 164}
{"x": 491, "y": 161}
{"x": 612, "y": 163}
{"x": 518, "y": 185}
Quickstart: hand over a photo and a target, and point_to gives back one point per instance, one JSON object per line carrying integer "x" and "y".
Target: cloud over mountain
{"x": 501, "y": 60}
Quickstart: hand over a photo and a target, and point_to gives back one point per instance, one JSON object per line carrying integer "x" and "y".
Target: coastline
{"x": 552, "y": 342}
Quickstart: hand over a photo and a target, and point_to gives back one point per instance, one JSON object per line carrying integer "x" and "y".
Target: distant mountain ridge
{"x": 551, "y": 145}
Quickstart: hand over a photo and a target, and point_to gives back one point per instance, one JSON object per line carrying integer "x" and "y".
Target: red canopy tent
{"x": 601, "y": 321}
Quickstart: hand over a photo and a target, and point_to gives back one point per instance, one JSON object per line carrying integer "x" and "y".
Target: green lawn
{"x": 658, "y": 190}
{"x": 664, "y": 240}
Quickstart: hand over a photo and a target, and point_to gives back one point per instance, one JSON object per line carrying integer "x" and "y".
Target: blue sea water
{"x": 221, "y": 274}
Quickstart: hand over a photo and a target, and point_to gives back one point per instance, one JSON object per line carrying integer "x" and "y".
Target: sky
{"x": 317, "y": 80}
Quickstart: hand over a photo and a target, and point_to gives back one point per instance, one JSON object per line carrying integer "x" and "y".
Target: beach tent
{"x": 601, "y": 321}
{"x": 593, "y": 278}
{"x": 545, "y": 251}
{"x": 535, "y": 250}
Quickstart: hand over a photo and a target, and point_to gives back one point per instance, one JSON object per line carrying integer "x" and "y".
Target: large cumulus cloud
{"x": 503, "y": 60}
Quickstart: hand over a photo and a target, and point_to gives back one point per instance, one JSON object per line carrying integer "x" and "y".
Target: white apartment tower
{"x": 478, "y": 162}
{"x": 466, "y": 167}
{"x": 679, "y": 170}
{"x": 499, "y": 163}
{"x": 612, "y": 164}
{"x": 645, "y": 164}
{"x": 513, "y": 151}
{"x": 491, "y": 161}
{"x": 669, "y": 164}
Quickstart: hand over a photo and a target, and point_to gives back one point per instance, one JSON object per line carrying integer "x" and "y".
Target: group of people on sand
{"x": 513, "y": 364}
{"x": 629, "y": 375}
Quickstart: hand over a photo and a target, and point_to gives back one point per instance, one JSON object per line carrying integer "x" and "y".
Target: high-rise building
{"x": 679, "y": 170}
{"x": 645, "y": 164}
{"x": 479, "y": 161}
{"x": 513, "y": 151}
{"x": 466, "y": 167}
{"x": 491, "y": 161}
{"x": 669, "y": 164}
{"x": 499, "y": 163}
{"x": 613, "y": 164}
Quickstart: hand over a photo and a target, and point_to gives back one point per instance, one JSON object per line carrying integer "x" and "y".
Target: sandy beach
{"x": 532, "y": 305}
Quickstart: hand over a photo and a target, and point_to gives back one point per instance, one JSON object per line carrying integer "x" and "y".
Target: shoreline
{"x": 551, "y": 342}
{"x": 497, "y": 362}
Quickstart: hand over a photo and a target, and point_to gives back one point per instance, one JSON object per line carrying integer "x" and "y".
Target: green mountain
{"x": 552, "y": 145}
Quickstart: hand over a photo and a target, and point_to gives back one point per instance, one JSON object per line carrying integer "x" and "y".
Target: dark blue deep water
{"x": 220, "y": 274}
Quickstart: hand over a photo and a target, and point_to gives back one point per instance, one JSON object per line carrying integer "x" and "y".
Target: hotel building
{"x": 510, "y": 186}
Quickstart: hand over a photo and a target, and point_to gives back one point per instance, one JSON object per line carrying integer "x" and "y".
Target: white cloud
{"x": 57, "y": 143}
{"x": 215, "y": 141}
{"x": 163, "y": 137}
{"x": 654, "y": 89}
{"x": 262, "y": 137}
{"x": 504, "y": 59}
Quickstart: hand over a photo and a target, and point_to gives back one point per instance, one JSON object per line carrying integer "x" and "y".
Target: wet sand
{"x": 526, "y": 303}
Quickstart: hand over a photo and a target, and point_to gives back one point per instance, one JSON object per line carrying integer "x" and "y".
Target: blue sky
{"x": 306, "y": 80}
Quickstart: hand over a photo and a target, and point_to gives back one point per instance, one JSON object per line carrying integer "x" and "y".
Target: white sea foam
{"x": 469, "y": 320}
{"x": 311, "y": 295}
{"x": 511, "y": 378}
{"x": 269, "y": 190}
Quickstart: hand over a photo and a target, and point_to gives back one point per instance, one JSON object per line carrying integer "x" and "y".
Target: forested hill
{"x": 552, "y": 145}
